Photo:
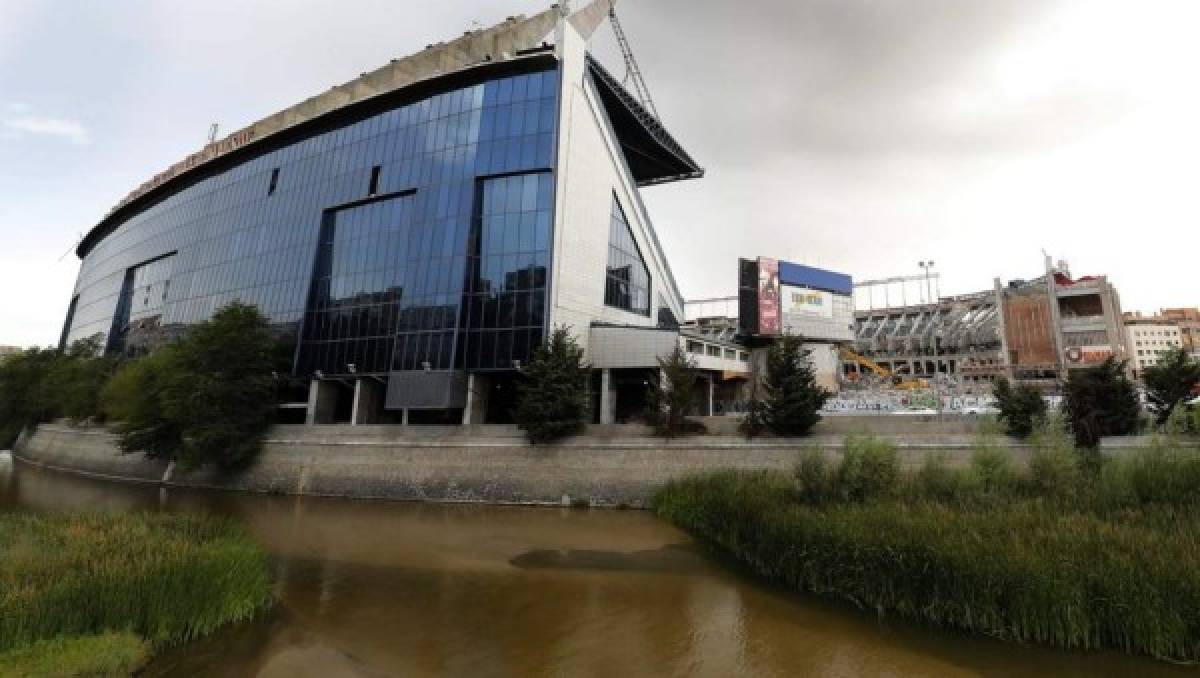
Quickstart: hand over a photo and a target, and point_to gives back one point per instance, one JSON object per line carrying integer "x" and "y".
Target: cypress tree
{"x": 1171, "y": 382}
{"x": 1020, "y": 408}
{"x": 794, "y": 399}
{"x": 1100, "y": 401}
{"x": 673, "y": 397}
{"x": 552, "y": 396}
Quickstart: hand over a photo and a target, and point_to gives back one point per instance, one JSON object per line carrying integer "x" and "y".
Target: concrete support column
{"x": 712, "y": 386}
{"x": 322, "y": 402}
{"x": 367, "y": 397}
{"x": 466, "y": 418}
{"x": 404, "y": 417}
{"x": 608, "y": 410}
{"x": 478, "y": 389}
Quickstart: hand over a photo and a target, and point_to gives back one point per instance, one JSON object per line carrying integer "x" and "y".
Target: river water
{"x": 391, "y": 589}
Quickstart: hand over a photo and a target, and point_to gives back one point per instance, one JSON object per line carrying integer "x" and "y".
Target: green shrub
{"x": 1020, "y": 409}
{"x": 814, "y": 479}
{"x": 168, "y": 578}
{"x": 1178, "y": 423}
{"x": 1100, "y": 401}
{"x": 1053, "y": 462}
{"x": 206, "y": 400}
{"x": 1024, "y": 570}
{"x": 75, "y": 379}
{"x": 992, "y": 473}
{"x": 23, "y": 400}
{"x": 869, "y": 470}
{"x": 107, "y": 655}
{"x": 935, "y": 480}
{"x": 1170, "y": 382}
{"x": 1160, "y": 474}
{"x": 134, "y": 398}
{"x": 672, "y": 398}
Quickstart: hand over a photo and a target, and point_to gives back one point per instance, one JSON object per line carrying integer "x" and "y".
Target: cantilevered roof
{"x": 653, "y": 155}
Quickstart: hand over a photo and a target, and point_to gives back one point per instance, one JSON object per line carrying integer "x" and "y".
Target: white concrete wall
{"x": 824, "y": 359}
{"x": 825, "y": 362}
{"x": 628, "y": 346}
{"x": 591, "y": 168}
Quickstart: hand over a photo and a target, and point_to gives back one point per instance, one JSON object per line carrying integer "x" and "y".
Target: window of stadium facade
{"x": 444, "y": 225}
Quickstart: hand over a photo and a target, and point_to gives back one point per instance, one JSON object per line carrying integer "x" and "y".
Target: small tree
{"x": 1020, "y": 409}
{"x": 672, "y": 397}
{"x": 1100, "y": 401}
{"x": 207, "y": 399}
{"x": 552, "y": 396}
{"x": 754, "y": 423}
{"x": 134, "y": 398}
{"x": 75, "y": 379}
{"x": 1171, "y": 382}
{"x": 22, "y": 401}
{"x": 224, "y": 396}
{"x": 793, "y": 398}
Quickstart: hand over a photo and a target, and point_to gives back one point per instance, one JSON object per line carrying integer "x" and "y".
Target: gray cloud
{"x": 848, "y": 76}
{"x": 41, "y": 125}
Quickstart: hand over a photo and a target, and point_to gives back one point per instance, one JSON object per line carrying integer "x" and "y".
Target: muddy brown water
{"x": 393, "y": 589}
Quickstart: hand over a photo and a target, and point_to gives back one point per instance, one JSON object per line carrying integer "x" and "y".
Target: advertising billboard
{"x": 1079, "y": 356}
{"x": 768, "y": 297}
{"x": 778, "y": 297}
{"x": 805, "y": 302}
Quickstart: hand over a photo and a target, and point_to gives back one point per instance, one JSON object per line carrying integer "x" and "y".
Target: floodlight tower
{"x": 928, "y": 267}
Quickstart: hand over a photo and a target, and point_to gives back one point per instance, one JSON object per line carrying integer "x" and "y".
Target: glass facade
{"x": 140, "y": 305}
{"x": 510, "y": 253}
{"x": 461, "y": 212}
{"x": 627, "y": 285}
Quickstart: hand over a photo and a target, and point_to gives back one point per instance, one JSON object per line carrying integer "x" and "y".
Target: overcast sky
{"x": 860, "y": 135}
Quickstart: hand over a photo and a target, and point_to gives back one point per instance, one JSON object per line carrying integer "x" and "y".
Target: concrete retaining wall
{"x": 611, "y": 466}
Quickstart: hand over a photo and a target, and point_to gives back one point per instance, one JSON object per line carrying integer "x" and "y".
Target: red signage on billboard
{"x": 1088, "y": 355}
{"x": 769, "y": 321}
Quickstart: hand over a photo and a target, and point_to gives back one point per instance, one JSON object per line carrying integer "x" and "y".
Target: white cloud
{"x": 71, "y": 130}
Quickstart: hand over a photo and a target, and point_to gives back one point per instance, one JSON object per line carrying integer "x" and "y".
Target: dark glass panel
{"x": 232, "y": 242}
{"x": 627, "y": 284}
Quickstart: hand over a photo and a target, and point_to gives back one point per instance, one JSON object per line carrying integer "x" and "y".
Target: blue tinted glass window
{"x": 627, "y": 281}
{"x": 383, "y": 285}
{"x": 508, "y": 270}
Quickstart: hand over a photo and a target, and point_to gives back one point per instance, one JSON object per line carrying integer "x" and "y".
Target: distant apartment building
{"x": 1149, "y": 337}
{"x": 1188, "y": 322}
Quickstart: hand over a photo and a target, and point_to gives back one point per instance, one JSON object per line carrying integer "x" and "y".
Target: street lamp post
{"x": 928, "y": 267}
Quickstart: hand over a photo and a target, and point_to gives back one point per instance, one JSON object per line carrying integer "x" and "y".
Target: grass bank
{"x": 1072, "y": 551}
{"x": 96, "y": 594}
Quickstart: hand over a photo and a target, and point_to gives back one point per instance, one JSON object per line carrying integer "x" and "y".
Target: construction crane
{"x": 632, "y": 72}
{"x": 847, "y": 354}
{"x": 904, "y": 382}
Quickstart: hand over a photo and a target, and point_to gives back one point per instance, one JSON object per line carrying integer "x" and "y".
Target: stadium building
{"x": 1032, "y": 330}
{"x": 418, "y": 231}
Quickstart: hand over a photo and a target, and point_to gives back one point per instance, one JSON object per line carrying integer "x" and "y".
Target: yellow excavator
{"x": 902, "y": 382}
